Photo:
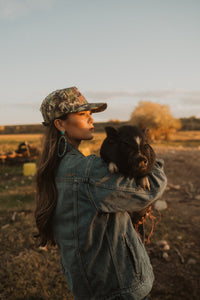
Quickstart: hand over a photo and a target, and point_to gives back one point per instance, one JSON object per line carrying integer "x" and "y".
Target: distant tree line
{"x": 22, "y": 129}
{"x": 38, "y": 128}
{"x": 156, "y": 117}
{"x": 191, "y": 123}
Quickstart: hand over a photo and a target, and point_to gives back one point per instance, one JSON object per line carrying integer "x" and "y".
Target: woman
{"x": 83, "y": 208}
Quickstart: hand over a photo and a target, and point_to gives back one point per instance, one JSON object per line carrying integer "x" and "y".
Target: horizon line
{"x": 111, "y": 120}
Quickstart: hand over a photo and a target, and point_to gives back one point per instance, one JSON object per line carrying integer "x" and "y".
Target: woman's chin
{"x": 88, "y": 137}
{"x": 91, "y": 136}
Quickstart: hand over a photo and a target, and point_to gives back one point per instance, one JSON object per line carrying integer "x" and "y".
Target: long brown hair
{"x": 46, "y": 193}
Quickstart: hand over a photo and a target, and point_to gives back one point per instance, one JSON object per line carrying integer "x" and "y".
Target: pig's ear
{"x": 111, "y": 132}
{"x": 146, "y": 133}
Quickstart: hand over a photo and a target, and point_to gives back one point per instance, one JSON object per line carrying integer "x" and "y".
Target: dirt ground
{"x": 28, "y": 272}
{"x": 178, "y": 276}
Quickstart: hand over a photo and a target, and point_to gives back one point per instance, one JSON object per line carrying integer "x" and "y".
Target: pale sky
{"x": 114, "y": 51}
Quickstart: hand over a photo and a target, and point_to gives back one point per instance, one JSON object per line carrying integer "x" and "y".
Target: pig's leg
{"x": 113, "y": 167}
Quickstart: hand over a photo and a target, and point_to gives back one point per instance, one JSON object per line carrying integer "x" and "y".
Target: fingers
{"x": 144, "y": 183}
{"x": 113, "y": 168}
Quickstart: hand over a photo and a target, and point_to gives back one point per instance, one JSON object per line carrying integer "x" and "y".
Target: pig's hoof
{"x": 113, "y": 168}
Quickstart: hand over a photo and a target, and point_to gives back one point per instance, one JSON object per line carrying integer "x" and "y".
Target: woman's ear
{"x": 58, "y": 124}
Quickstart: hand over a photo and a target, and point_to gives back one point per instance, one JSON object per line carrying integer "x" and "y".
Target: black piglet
{"x": 126, "y": 150}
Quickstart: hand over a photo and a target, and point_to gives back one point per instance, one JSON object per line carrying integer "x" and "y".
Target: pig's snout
{"x": 142, "y": 162}
{"x": 138, "y": 165}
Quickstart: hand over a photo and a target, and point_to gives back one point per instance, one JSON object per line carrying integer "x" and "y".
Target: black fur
{"x": 120, "y": 147}
{"x": 127, "y": 147}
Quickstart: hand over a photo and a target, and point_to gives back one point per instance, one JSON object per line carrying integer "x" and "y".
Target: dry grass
{"x": 10, "y": 142}
{"x": 186, "y": 135}
{"x": 20, "y": 137}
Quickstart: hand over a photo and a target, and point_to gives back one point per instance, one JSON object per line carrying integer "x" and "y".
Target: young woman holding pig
{"x": 83, "y": 208}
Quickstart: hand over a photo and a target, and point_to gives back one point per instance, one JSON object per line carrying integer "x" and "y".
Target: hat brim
{"x": 94, "y": 107}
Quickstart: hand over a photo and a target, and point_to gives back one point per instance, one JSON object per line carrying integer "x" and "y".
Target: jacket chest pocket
{"x": 131, "y": 255}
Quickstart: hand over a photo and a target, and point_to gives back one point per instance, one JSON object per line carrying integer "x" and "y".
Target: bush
{"x": 157, "y": 118}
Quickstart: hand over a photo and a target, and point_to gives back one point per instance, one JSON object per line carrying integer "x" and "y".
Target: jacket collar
{"x": 72, "y": 148}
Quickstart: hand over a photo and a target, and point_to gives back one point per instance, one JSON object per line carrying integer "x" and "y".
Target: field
{"x": 30, "y": 272}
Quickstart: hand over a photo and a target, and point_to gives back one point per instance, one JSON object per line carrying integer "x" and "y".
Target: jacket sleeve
{"x": 115, "y": 193}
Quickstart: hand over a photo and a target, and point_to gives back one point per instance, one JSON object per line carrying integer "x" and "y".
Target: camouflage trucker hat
{"x": 64, "y": 101}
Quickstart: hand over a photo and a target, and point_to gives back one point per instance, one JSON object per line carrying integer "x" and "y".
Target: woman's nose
{"x": 91, "y": 120}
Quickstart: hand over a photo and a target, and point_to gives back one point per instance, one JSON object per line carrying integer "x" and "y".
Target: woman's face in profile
{"x": 79, "y": 126}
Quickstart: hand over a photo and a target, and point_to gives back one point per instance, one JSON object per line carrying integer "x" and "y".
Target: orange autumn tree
{"x": 157, "y": 118}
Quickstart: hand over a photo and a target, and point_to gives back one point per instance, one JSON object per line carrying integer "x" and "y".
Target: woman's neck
{"x": 74, "y": 142}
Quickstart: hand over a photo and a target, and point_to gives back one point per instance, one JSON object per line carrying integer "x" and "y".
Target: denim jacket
{"x": 102, "y": 256}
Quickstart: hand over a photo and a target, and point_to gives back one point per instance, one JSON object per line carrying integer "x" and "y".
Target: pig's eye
{"x": 127, "y": 144}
